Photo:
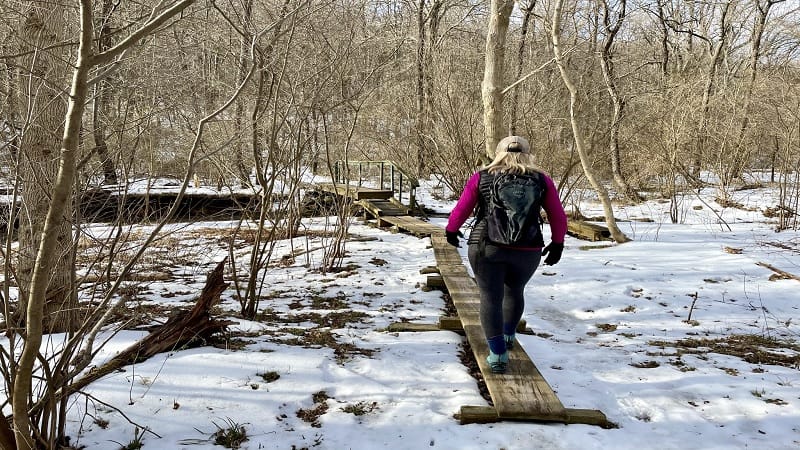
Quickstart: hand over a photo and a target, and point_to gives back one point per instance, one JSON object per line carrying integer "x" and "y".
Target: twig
{"x": 691, "y": 308}
{"x": 780, "y": 272}
{"x": 141, "y": 427}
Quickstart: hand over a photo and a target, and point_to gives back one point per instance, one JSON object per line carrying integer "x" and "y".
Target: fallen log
{"x": 588, "y": 231}
{"x": 192, "y": 327}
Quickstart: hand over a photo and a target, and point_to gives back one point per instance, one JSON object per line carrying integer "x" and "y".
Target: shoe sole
{"x": 499, "y": 370}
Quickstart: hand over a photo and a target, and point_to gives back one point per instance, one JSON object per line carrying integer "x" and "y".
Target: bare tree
{"x": 494, "y": 70}
{"x": 102, "y": 98}
{"x": 602, "y": 193}
{"x": 741, "y": 155}
{"x": 612, "y": 23}
{"x": 55, "y": 232}
{"x": 41, "y": 86}
{"x": 527, "y": 15}
{"x": 240, "y": 145}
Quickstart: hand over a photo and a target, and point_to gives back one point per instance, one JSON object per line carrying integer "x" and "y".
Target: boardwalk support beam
{"x": 487, "y": 414}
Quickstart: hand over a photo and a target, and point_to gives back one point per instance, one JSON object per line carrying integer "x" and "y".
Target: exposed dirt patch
{"x": 360, "y": 408}
{"x": 751, "y": 348}
{"x": 324, "y": 338}
{"x": 468, "y": 360}
{"x": 449, "y": 306}
{"x": 378, "y": 262}
{"x": 312, "y": 415}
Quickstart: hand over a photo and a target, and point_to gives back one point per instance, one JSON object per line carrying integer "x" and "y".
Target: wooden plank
{"x": 488, "y": 414}
{"x": 413, "y": 225}
{"x": 520, "y": 393}
{"x": 406, "y": 210}
{"x": 454, "y": 324}
{"x": 435, "y": 281}
{"x": 477, "y": 414}
{"x": 368, "y": 193}
{"x": 589, "y": 417}
{"x": 445, "y": 254}
{"x": 453, "y": 270}
{"x": 373, "y": 210}
{"x": 385, "y": 207}
{"x": 450, "y": 323}
{"x": 428, "y": 269}
{"x": 588, "y": 231}
{"x": 412, "y": 327}
{"x": 356, "y": 192}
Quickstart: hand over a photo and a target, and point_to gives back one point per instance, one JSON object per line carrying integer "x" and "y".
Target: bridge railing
{"x": 384, "y": 175}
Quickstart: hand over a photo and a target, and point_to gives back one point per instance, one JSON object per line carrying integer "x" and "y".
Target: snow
{"x": 600, "y": 320}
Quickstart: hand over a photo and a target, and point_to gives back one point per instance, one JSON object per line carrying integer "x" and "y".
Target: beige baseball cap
{"x": 513, "y": 144}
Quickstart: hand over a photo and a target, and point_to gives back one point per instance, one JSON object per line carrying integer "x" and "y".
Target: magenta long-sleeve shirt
{"x": 556, "y": 216}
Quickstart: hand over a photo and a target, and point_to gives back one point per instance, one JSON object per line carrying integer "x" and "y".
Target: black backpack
{"x": 513, "y": 209}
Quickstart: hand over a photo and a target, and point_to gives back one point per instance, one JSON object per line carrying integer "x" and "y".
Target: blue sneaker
{"x": 510, "y": 339}
{"x": 498, "y": 363}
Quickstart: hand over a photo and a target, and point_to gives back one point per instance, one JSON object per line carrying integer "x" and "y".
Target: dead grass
{"x": 325, "y": 338}
{"x": 312, "y": 415}
{"x": 754, "y": 349}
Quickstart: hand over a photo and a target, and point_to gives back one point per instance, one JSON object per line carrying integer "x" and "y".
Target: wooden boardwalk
{"x": 521, "y": 393}
{"x": 356, "y": 192}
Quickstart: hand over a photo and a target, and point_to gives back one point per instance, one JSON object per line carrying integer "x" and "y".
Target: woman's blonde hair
{"x": 513, "y": 162}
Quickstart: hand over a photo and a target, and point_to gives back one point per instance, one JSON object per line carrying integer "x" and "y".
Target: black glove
{"x": 452, "y": 237}
{"x": 553, "y": 252}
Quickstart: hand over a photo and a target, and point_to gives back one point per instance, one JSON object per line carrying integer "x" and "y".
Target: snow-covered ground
{"x": 608, "y": 322}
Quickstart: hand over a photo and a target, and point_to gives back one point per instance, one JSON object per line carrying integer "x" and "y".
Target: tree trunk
{"x": 420, "y": 125}
{"x": 102, "y": 98}
{"x": 41, "y": 28}
{"x": 612, "y": 27}
{"x": 434, "y": 21}
{"x": 740, "y": 155}
{"x": 48, "y": 262}
{"x": 580, "y": 146}
{"x": 11, "y": 121}
{"x": 493, "y": 74}
{"x": 708, "y": 91}
{"x": 427, "y": 34}
{"x": 662, "y": 22}
{"x": 527, "y": 13}
{"x": 242, "y": 70}
{"x": 44, "y": 27}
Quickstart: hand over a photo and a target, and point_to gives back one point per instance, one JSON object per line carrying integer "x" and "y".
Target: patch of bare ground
{"x": 312, "y": 415}
{"x": 316, "y": 338}
{"x": 468, "y": 360}
{"x": 754, "y": 349}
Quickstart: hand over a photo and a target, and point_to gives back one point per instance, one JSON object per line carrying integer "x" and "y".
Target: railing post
{"x": 391, "y": 170}
{"x": 381, "y": 177}
{"x": 401, "y": 187}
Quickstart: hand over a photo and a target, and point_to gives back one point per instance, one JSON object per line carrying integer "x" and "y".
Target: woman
{"x": 502, "y": 271}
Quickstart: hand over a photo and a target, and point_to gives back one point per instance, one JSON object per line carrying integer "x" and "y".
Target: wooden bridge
{"x": 521, "y": 393}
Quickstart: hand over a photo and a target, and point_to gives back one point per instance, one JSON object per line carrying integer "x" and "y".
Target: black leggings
{"x": 501, "y": 274}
